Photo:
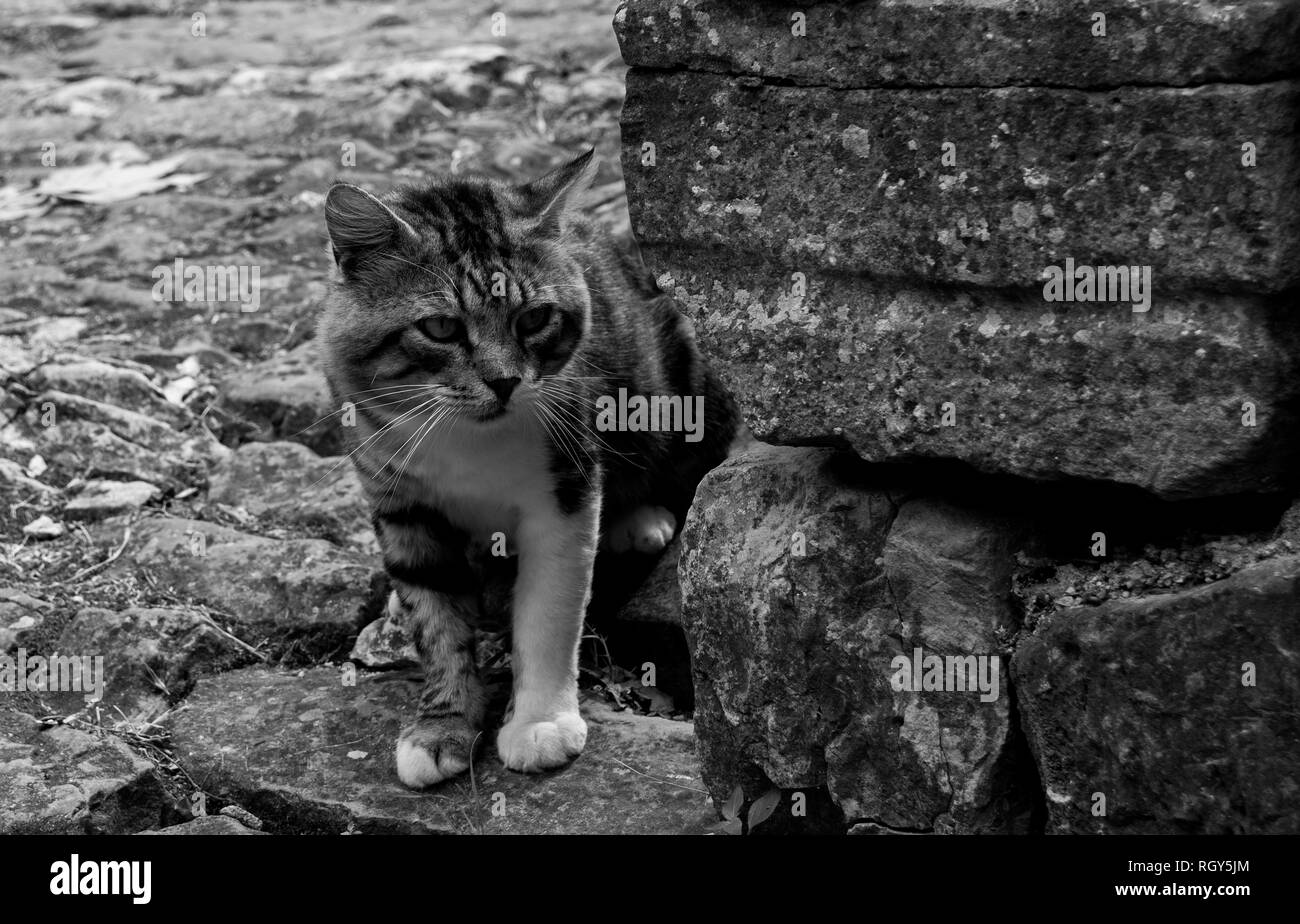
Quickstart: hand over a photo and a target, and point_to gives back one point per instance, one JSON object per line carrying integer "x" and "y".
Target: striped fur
{"x": 472, "y": 329}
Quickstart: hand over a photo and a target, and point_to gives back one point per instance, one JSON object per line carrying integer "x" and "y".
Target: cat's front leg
{"x": 435, "y": 597}
{"x": 439, "y": 743}
{"x": 557, "y": 551}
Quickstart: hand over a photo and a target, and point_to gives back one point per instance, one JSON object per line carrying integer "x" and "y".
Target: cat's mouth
{"x": 495, "y": 412}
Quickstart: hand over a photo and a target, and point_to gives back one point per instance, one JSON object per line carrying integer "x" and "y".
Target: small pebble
{"x": 44, "y": 528}
{"x": 243, "y": 816}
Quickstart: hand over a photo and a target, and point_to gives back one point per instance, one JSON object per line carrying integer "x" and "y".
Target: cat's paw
{"x": 533, "y": 746}
{"x": 433, "y": 750}
{"x": 645, "y": 529}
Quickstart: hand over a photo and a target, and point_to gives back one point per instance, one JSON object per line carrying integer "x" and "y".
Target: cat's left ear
{"x": 360, "y": 224}
{"x": 550, "y": 196}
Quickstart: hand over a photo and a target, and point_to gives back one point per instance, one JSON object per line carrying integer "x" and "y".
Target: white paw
{"x": 645, "y": 529}
{"x": 533, "y": 746}
{"x": 429, "y": 753}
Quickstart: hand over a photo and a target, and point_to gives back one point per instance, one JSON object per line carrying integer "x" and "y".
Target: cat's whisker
{"x": 321, "y": 420}
{"x": 579, "y": 420}
{"x": 560, "y": 439}
{"x": 394, "y": 388}
{"x": 434, "y": 409}
{"x": 576, "y": 428}
{"x": 441, "y": 413}
{"x": 435, "y": 416}
{"x": 348, "y": 457}
{"x": 561, "y": 429}
{"x": 593, "y": 437}
{"x": 555, "y": 440}
{"x": 395, "y": 422}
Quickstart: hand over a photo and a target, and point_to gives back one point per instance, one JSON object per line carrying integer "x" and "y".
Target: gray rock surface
{"x": 44, "y": 527}
{"x": 307, "y": 754}
{"x": 988, "y": 43}
{"x": 99, "y": 499}
{"x": 64, "y": 780}
{"x": 102, "y": 381}
{"x": 301, "y": 595}
{"x": 1042, "y": 390}
{"x": 286, "y": 396}
{"x": 852, "y": 180}
{"x": 287, "y": 483}
{"x": 152, "y": 655}
{"x": 1170, "y": 714}
{"x": 21, "y": 614}
{"x": 794, "y": 654}
{"x": 384, "y": 644}
{"x": 12, "y": 474}
{"x": 207, "y": 826}
{"x": 106, "y": 441}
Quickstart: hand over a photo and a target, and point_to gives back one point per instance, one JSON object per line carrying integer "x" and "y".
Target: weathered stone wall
{"x": 861, "y": 206}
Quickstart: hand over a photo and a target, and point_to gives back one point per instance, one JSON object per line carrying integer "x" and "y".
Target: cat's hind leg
{"x": 646, "y": 529}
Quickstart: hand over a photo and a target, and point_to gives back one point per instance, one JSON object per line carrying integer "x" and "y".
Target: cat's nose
{"x": 503, "y": 387}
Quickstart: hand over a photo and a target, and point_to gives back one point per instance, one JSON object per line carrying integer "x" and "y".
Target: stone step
{"x": 307, "y": 754}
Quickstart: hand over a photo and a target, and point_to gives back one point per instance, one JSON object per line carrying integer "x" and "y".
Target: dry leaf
{"x": 108, "y": 182}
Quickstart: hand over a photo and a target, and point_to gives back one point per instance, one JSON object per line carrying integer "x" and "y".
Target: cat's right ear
{"x": 359, "y": 224}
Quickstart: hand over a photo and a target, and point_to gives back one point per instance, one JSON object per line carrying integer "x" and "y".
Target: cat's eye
{"x": 440, "y": 328}
{"x": 533, "y": 320}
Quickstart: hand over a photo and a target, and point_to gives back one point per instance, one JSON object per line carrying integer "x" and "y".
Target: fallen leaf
{"x": 763, "y": 808}
{"x": 102, "y": 183}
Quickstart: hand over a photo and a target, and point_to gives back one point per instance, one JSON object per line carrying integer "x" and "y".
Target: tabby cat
{"x": 473, "y": 330}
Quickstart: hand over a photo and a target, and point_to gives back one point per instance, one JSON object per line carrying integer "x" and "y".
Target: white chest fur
{"x": 482, "y": 477}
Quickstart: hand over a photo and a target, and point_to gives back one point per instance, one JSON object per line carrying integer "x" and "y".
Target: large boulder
{"x": 1170, "y": 714}
{"x": 1194, "y": 399}
{"x": 805, "y": 594}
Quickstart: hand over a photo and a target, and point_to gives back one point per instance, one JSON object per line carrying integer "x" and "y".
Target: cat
{"x": 474, "y": 327}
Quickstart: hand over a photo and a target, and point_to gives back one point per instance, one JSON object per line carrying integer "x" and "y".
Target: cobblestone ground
{"x": 167, "y": 496}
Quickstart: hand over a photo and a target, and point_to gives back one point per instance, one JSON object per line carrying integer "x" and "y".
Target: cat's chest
{"x": 485, "y": 481}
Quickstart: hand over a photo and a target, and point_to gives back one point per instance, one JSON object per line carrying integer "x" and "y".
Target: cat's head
{"x": 461, "y": 287}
